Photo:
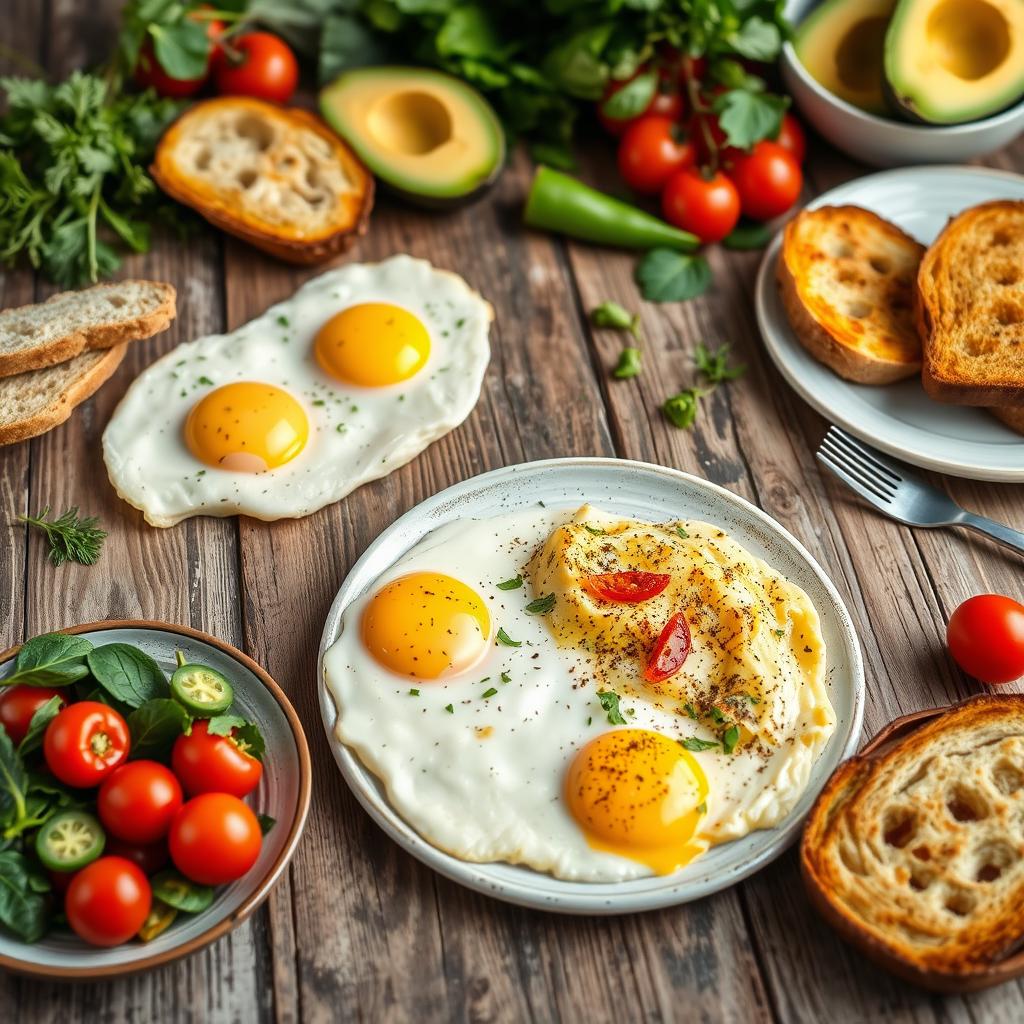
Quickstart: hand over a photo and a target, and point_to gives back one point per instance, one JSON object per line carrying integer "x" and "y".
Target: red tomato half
{"x": 986, "y": 637}
{"x": 626, "y": 587}
{"x": 791, "y": 138}
{"x": 148, "y": 72}
{"x": 19, "y": 703}
{"x": 708, "y": 206}
{"x": 214, "y": 764}
{"x": 138, "y": 801}
{"x": 85, "y": 743}
{"x": 767, "y": 178}
{"x": 257, "y": 64}
{"x": 669, "y": 651}
{"x": 215, "y": 839}
{"x": 107, "y": 901}
{"x": 652, "y": 149}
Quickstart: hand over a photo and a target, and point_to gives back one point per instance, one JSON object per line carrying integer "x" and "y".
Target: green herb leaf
{"x": 779, "y": 632}
{"x": 702, "y": 807}
{"x": 633, "y": 98}
{"x": 730, "y": 737}
{"x": 155, "y": 725}
{"x": 129, "y": 675}
{"x": 616, "y": 317}
{"x": 71, "y": 539}
{"x": 752, "y": 698}
{"x": 541, "y": 605}
{"x": 715, "y": 364}
{"x": 682, "y": 533}
{"x": 51, "y": 659}
{"x": 266, "y": 822}
{"x": 245, "y": 734}
{"x": 757, "y": 39}
{"x": 449, "y": 709}
{"x": 22, "y": 907}
{"x": 505, "y": 677}
{"x": 748, "y": 117}
{"x": 668, "y": 276}
{"x": 628, "y": 364}
{"x": 506, "y": 640}
{"x": 695, "y": 744}
{"x": 557, "y": 155}
{"x": 414, "y": 692}
{"x": 610, "y": 704}
{"x": 748, "y": 236}
{"x": 181, "y": 893}
{"x": 489, "y": 692}
{"x": 716, "y": 716}
{"x": 221, "y": 725}
{"x": 513, "y": 584}
{"x": 681, "y": 410}
{"x": 691, "y": 711}
{"x": 594, "y": 530}
{"x": 43, "y": 716}
{"x": 183, "y": 49}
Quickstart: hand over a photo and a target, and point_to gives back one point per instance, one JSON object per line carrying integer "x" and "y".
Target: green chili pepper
{"x": 559, "y": 202}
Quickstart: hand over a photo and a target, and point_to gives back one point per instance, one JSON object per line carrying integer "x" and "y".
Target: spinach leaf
{"x": 13, "y": 786}
{"x": 633, "y": 98}
{"x": 667, "y": 276}
{"x": 246, "y": 734}
{"x": 155, "y": 725}
{"x": 52, "y": 659}
{"x": 43, "y": 716}
{"x": 22, "y": 905}
{"x": 266, "y": 822}
{"x": 749, "y": 117}
{"x": 127, "y": 674}
{"x": 180, "y": 893}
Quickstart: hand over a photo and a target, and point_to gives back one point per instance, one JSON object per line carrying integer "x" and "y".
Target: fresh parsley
{"x": 629, "y": 364}
{"x": 730, "y": 737}
{"x": 682, "y": 533}
{"x": 610, "y": 704}
{"x": 695, "y": 744}
{"x": 665, "y": 275}
{"x": 714, "y": 364}
{"x": 541, "y": 605}
{"x": 681, "y": 409}
{"x": 513, "y": 584}
{"x": 507, "y": 641}
{"x": 71, "y": 538}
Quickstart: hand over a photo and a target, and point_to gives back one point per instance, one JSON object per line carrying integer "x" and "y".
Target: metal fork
{"x": 897, "y": 491}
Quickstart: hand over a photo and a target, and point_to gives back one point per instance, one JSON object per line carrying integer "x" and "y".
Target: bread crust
{"x": 65, "y": 404}
{"x": 1012, "y": 416}
{"x": 95, "y": 336}
{"x": 226, "y": 215}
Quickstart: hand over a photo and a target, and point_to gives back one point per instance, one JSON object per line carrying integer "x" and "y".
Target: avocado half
{"x": 429, "y": 137}
{"x": 841, "y": 44}
{"x": 950, "y": 61}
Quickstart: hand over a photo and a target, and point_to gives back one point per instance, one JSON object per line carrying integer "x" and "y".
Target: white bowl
{"x": 882, "y": 141}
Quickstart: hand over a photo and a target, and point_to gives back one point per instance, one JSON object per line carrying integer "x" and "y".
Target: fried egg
{"x": 347, "y": 380}
{"x": 504, "y": 705}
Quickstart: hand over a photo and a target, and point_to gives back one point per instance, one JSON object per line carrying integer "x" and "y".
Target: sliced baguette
{"x": 1012, "y": 416}
{"x": 970, "y": 307}
{"x": 846, "y": 277}
{"x": 33, "y": 403}
{"x": 102, "y": 316}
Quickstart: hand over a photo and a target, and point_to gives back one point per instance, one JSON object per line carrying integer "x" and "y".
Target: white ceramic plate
{"x": 646, "y": 492}
{"x": 283, "y": 793}
{"x": 900, "y": 418}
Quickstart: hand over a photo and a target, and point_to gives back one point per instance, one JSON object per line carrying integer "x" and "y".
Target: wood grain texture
{"x": 357, "y": 929}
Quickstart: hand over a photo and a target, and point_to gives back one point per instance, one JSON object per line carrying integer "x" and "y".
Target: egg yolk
{"x": 639, "y": 794}
{"x": 246, "y": 426}
{"x": 373, "y": 344}
{"x": 426, "y": 625}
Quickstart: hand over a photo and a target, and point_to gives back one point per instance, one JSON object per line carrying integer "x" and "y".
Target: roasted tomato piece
{"x": 626, "y": 587}
{"x": 669, "y": 651}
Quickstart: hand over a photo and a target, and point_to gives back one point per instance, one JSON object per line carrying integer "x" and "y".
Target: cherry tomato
{"x": 148, "y": 72}
{"x": 138, "y": 801}
{"x": 258, "y": 64}
{"x": 669, "y": 651}
{"x": 107, "y": 901}
{"x": 626, "y": 587}
{"x": 707, "y": 205}
{"x": 85, "y": 743}
{"x": 151, "y": 857}
{"x": 791, "y": 138}
{"x": 651, "y": 150}
{"x": 19, "y": 703}
{"x": 986, "y": 637}
{"x": 215, "y": 839}
{"x": 613, "y": 125}
{"x": 667, "y": 102}
{"x": 768, "y": 180}
{"x": 214, "y": 764}
{"x": 693, "y": 67}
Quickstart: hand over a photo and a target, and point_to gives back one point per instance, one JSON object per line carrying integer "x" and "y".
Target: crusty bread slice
{"x": 1011, "y": 415}
{"x": 846, "y": 277}
{"x": 33, "y": 403}
{"x": 276, "y": 177}
{"x": 970, "y": 307}
{"x": 66, "y": 324}
{"x": 916, "y": 852}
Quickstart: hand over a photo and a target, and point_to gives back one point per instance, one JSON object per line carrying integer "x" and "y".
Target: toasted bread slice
{"x": 33, "y": 403}
{"x": 970, "y": 307}
{"x": 846, "y": 277}
{"x": 1012, "y": 416}
{"x": 64, "y": 325}
{"x": 915, "y": 853}
{"x": 276, "y": 177}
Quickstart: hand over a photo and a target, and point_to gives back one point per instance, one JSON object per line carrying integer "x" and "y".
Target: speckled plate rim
{"x": 574, "y": 897}
{"x": 779, "y": 339}
{"x": 259, "y": 894}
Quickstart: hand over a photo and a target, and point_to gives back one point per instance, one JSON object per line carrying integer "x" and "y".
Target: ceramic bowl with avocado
{"x": 909, "y": 81}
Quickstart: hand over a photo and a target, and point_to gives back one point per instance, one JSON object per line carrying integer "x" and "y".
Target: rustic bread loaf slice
{"x": 970, "y": 308}
{"x": 846, "y": 277}
{"x": 37, "y": 401}
{"x": 1012, "y": 416}
{"x": 66, "y": 324}
{"x": 276, "y": 177}
{"x": 916, "y": 853}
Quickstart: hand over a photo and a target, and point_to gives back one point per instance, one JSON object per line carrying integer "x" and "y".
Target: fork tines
{"x": 861, "y": 467}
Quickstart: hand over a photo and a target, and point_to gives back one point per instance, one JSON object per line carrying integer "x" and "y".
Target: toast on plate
{"x": 1012, "y": 416}
{"x": 970, "y": 308}
{"x": 916, "y": 853}
{"x": 37, "y": 401}
{"x": 846, "y": 277}
{"x": 69, "y": 323}
{"x": 276, "y": 177}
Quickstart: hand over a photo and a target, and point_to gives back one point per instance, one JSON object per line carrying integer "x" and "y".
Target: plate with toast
{"x": 894, "y": 305}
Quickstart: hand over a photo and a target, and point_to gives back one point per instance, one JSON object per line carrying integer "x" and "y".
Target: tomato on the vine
{"x": 707, "y": 205}
{"x": 791, "y": 138}
{"x": 651, "y": 150}
{"x": 767, "y": 178}
{"x": 107, "y": 901}
{"x": 149, "y": 74}
{"x": 257, "y": 64}
{"x": 138, "y": 801}
{"x": 986, "y": 637}
{"x": 215, "y": 838}
{"x": 667, "y": 102}
{"x": 19, "y": 703}
{"x": 207, "y": 763}
{"x": 85, "y": 743}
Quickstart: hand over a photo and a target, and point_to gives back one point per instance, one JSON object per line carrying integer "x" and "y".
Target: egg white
{"x": 357, "y": 434}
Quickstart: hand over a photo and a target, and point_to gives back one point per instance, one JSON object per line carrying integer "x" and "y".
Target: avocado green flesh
{"x": 423, "y": 133}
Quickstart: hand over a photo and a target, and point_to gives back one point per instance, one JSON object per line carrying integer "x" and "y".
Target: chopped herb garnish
{"x": 595, "y": 530}
{"x": 610, "y": 703}
{"x": 702, "y": 808}
{"x": 205, "y": 380}
{"x": 542, "y": 605}
{"x": 682, "y": 533}
{"x": 504, "y": 638}
{"x": 752, "y": 698}
{"x": 681, "y": 410}
{"x": 715, "y": 364}
{"x": 618, "y": 318}
{"x": 341, "y": 428}
{"x": 283, "y": 321}
{"x": 779, "y": 632}
{"x": 414, "y": 693}
{"x": 449, "y": 709}
{"x": 691, "y": 711}
{"x": 695, "y": 743}
{"x": 505, "y": 677}
{"x": 590, "y": 718}
{"x": 717, "y": 717}
{"x": 628, "y": 364}
{"x": 513, "y": 584}
{"x": 319, "y": 401}
{"x": 71, "y": 539}
{"x": 730, "y": 737}
{"x": 489, "y": 692}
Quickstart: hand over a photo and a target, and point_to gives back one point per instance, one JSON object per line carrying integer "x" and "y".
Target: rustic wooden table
{"x": 356, "y": 927}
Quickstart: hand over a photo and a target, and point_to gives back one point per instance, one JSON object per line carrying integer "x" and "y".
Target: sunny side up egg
{"x": 347, "y": 380}
{"x": 503, "y": 704}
